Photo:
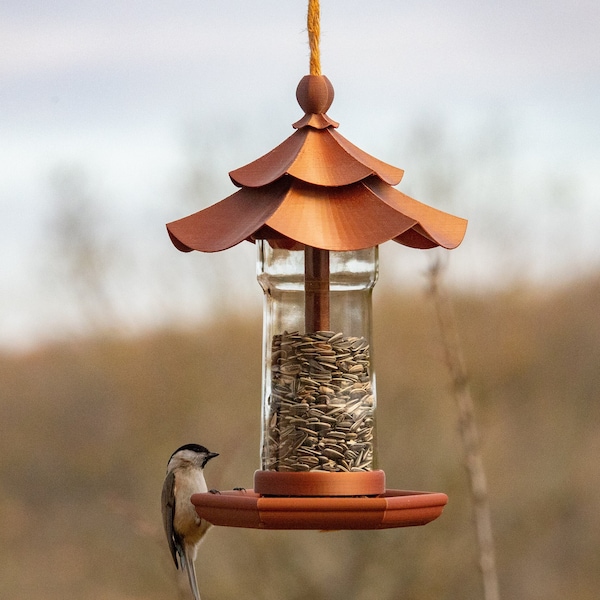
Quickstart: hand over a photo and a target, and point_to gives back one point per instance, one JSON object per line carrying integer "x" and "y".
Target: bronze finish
{"x": 319, "y": 483}
{"x": 318, "y": 189}
{"x": 394, "y": 508}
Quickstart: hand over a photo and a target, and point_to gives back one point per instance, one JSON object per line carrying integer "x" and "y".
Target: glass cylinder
{"x": 318, "y": 394}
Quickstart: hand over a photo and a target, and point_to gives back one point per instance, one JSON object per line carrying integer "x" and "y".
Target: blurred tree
{"x": 442, "y": 175}
{"x": 214, "y": 285}
{"x": 79, "y": 251}
{"x": 87, "y": 427}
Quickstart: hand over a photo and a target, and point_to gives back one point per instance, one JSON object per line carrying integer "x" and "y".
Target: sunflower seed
{"x": 321, "y": 406}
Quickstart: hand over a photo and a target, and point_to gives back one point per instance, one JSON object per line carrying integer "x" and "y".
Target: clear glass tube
{"x": 318, "y": 397}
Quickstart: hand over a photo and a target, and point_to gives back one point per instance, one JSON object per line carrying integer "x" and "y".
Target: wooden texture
{"x": 394, "y": 508}
{"x": 320, "y": 157}
{"x": 353, "y": 217}
{"x": 316, "y": 289}
{"x": 318, "y": 189}
{"x": 320, "y": 483}
{"x": 315, "y": 95}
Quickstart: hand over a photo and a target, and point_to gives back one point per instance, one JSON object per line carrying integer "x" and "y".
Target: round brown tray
{"x": 394, "y": 508}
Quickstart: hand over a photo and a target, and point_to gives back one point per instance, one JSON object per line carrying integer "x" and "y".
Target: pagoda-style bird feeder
{"x": 317, "y": 208}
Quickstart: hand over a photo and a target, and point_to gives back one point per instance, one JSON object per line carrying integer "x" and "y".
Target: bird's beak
{"x": 211, "y": 455}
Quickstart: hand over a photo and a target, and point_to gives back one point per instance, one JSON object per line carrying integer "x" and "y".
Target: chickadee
{"x": 184, "y": 528}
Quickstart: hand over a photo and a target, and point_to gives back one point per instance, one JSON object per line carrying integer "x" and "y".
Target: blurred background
{"x": 115, "y": 348}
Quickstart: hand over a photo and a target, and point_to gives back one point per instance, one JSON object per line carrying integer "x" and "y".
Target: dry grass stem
{"x": 469, "y": 433}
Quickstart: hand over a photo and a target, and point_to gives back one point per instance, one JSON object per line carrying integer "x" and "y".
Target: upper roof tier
{"x": 315, "y": 156}
{"x": 318, "y": 189}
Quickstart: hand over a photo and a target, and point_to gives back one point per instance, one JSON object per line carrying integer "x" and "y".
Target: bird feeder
{"x": 317, "y": 207}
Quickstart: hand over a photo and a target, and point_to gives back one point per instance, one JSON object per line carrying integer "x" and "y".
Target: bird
{"x": 184, "y": 528}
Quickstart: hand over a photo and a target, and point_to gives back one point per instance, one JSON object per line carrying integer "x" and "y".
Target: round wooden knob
{"x": 314, "y": 94}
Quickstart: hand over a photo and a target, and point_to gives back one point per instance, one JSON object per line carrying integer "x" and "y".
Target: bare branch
{"x": 469, "y": 433}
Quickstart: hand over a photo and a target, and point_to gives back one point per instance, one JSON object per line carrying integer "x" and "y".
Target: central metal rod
{"x": 316, "y": 289}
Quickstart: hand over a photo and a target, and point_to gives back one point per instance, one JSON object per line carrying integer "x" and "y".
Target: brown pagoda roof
{"x": 318, "y": 189}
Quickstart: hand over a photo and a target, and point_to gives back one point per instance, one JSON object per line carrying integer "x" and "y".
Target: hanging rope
{"x": 314, "y": 35}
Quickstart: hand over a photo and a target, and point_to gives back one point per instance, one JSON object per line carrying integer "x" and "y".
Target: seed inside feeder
{"x": 321, "y": 406}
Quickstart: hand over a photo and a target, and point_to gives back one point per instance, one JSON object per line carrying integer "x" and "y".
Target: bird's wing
{"x": 168, "y": 513}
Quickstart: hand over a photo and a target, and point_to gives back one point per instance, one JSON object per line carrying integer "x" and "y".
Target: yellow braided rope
{"x": 314, "y": 34}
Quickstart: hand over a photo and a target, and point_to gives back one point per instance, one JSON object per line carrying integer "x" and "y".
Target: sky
{"x": 123, "y": 90}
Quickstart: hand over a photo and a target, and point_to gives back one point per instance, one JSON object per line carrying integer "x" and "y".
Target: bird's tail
{"x": 191, "y": 573}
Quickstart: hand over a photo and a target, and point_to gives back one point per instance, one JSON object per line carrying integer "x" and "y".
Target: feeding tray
{"x": 393, "y": 508}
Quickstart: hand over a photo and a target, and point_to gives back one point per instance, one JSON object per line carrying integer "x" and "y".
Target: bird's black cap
{"x": 196, "y": 448}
